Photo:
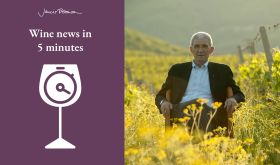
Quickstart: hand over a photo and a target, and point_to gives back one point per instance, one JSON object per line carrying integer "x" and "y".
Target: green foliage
{"x": 276, "y": 71}
{"x": 255, "y": 76}
{"x": 258, "y": 119}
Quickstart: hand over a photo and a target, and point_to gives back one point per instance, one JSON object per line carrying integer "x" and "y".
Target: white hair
{"x": 201, "y": 35}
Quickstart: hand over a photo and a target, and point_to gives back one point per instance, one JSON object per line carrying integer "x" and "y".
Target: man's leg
{"x": 202, "y": 118}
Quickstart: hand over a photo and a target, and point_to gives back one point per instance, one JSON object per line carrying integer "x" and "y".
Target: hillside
{"x": 135, "y": 40}
{"x": 231, "y": 22}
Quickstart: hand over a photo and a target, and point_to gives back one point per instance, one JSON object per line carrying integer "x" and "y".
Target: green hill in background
{"x": 135, "y": 40}
{"x": 231, "y": 22}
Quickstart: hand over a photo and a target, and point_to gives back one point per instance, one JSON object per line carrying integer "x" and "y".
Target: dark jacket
{"x": 220, "y": 77}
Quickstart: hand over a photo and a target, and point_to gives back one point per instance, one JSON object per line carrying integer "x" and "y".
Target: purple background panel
{"x": 95, "y": 122}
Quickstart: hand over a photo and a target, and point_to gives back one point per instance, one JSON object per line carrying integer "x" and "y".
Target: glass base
{"x": 60, "y": 144}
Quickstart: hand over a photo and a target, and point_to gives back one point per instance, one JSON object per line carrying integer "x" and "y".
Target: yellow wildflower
{"x": 186, "y": 111}
{"x": 193, "y": 107}
{"x": 184, "y": 119}
{"x": 216, "y": 105}
{"x": 202, "y": 100}
{"x": 248, "y": 141}
{"x": 131, "y": 151}
{"x": 146, "y": 160}
{"x": 161, "y": 155}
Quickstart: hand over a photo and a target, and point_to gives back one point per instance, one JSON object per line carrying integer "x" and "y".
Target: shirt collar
{"x": 205, "y": 65}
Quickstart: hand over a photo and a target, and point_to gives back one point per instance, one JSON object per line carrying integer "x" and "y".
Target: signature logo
{"x": 57, "y": 11}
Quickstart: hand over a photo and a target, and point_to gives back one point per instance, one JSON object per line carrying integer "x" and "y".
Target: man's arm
{"x": 237, "y": 93}
{"x": 161, "y": 96}
{"x": 234, "y": 94}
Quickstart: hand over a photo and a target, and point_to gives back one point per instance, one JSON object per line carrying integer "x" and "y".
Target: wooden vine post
{"x": 266, "y": 47}
{"x": 241, "y": 59}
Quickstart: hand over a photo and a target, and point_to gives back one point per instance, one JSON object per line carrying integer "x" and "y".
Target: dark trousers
{"x": 178, "y": 112}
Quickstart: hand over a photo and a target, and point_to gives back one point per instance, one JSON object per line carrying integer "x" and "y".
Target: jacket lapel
{"x": 211, "y": 77}
{"x": 182, "y": 82}
{"x": 187, "y": 71}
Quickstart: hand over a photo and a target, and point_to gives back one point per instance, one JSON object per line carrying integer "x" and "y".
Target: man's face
{"x": 201, "y": 49}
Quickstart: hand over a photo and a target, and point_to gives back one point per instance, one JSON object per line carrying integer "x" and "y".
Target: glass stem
{"x": 60, "y": 122}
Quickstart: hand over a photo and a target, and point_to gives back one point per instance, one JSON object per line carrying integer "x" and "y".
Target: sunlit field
{"x": 256, "y": 122}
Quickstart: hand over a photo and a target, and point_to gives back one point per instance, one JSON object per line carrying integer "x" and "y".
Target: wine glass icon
{"x": 60, "y": 86}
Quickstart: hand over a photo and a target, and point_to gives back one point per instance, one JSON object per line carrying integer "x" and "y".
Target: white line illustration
{"x": 60, "y": 86}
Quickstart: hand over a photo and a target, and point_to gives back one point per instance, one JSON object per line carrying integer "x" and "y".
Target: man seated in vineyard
{"x": 189, "y": 81}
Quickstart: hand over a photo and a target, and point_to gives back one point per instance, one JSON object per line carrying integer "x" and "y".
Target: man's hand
{"x": 166, "y": 106}
{"x": 230, "y": 104}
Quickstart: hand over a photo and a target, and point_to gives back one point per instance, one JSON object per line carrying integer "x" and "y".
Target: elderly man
{"x": 200, "y": 79}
